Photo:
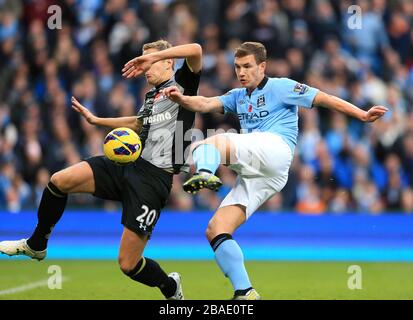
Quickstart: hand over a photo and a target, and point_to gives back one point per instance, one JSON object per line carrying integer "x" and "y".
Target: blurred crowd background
{"x": 340, "y": 165}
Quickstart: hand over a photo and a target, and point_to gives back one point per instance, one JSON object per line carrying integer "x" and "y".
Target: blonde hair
{"x": 158, "y": 45}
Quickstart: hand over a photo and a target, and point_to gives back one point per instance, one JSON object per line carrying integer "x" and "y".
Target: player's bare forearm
{"x": 332, "y": 102}
{"x": 328, "y": 101}
{"x": 194, "y": 103}
{"x": 139, "y": 65}
{"x": 128, "y": 122}
{"x": 192, "y": 52}
{"x": 203, "y": 104}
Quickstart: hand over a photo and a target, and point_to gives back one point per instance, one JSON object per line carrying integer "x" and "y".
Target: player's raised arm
{"x": 139, "y": 65}
{"x": 194, "y": 103}
{"x": 325, "y": 100}
{"x": 129, "y": 122}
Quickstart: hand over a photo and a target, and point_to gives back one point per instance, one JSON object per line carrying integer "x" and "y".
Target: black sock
{"x": 150, "y": 273}
{"x": 50, "y": 211}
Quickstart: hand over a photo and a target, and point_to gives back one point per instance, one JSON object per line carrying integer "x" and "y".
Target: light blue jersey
{"x": 271, "y": 107}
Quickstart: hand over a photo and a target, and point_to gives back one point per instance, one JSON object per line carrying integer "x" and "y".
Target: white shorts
{"x": 262, "y": 162}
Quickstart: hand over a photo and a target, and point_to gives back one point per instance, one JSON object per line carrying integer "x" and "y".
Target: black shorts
{"x": 142, "y": 188}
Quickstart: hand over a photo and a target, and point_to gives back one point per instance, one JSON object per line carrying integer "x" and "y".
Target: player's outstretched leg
{"x": 77, "y": 178}
{"x": 146, "y": 270}
{"x": 228, "y": 253}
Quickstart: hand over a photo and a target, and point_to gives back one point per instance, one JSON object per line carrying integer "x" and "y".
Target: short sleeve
{"x": 295, "y": 93}
{"x": 188, "y": 79}
{"x": 228, "y": 101}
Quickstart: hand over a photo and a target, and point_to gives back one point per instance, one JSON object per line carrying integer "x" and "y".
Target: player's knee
{"x": 127, "y": 264}
{"x": 60, "y": 181}
{"x": 224, "y": 146}
{"x": 196, "y": 145}
{"x": 210, "y": 231}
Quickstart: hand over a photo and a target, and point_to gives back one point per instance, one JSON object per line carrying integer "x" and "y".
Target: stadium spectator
{"x": 341, "y": 202}
{"x": 365, "y": 42}
{"x": 407, "y": 200}
{"x": 311, "y": 203}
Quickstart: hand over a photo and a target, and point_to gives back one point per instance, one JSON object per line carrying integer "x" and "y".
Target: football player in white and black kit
{"x": 143, "y": 186}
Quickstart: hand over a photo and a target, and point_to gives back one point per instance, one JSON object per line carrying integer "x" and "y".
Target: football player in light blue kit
{"x": 267, "y": 110}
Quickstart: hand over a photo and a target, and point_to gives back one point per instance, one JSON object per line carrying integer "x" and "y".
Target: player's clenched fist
{"x": 173, "y": 94}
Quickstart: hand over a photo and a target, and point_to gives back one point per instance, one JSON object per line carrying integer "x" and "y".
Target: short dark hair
{"x": 255, "y": 48}
{"x": 158, "y": 45}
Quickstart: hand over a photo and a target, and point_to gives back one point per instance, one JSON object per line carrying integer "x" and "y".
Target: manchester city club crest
{"x": 261, "y": 101}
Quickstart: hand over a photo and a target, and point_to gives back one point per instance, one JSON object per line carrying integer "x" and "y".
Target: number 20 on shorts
{"x": 148, "y": 216}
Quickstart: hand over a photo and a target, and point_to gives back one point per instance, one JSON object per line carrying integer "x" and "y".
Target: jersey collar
{"x": 162, "y": 84}
{"x": 263, "y": 82}
{"x": 260, "y": 86}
